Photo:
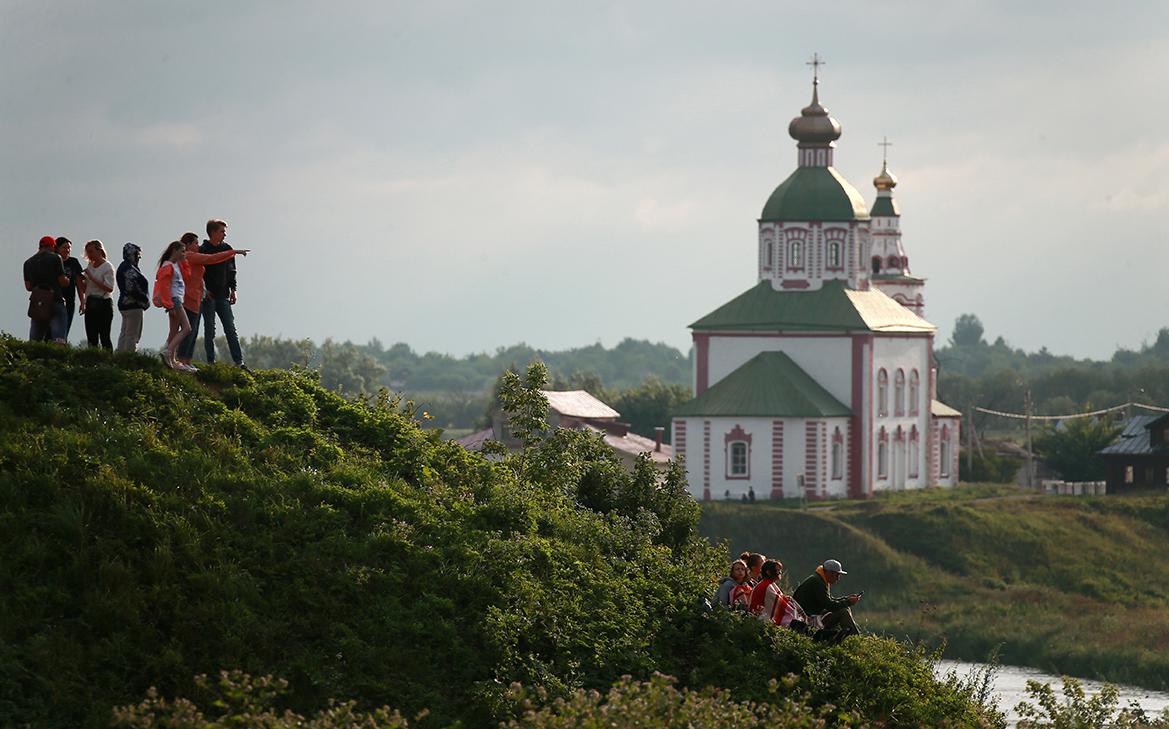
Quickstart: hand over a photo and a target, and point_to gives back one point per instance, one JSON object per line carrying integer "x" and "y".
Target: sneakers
{"x": 245, "y": 368}
{"x": 185, "y": 367}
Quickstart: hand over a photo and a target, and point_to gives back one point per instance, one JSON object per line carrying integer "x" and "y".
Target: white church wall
{"x": 906, "y": 466}
{"x": 827, "y": 359}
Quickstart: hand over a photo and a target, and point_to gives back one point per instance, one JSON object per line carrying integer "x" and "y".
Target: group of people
{"x": 753, "y": 586}
{"x": 194, "y": 282}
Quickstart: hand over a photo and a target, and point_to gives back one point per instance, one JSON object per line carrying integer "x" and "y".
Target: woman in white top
{"x": 169, "y": 290}
{"x": 99, "y": 305}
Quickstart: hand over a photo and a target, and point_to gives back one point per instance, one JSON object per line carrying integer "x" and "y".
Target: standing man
{"x": 133, "y": 297}
{"x": 73, "y": 291}
{"x": 219, "y": 281}
{"x": 835, "y": 613}
{"x": 44, "y": 275}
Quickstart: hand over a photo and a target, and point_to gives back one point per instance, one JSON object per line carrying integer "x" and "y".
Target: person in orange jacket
{"x": 169, "y": 290}
{"x": 192, "y": 268}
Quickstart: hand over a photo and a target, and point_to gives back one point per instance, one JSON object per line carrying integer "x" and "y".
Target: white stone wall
{"x": 775, "y": 259}
{"x": 902, "y": 472}
{"x": 797, "y": 458}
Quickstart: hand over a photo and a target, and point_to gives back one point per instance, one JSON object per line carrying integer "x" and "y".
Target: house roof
{"x": 939, "y": 409}
{"x": 832, "y": 307}
{"x": 578, "y": 404}
{"x": 635, "y": 445}
{"x": 814, "y": 193}
{"x": 476, "y": 441}
{"x": 770, "y": 384}
{"x": 1134, "y": 438}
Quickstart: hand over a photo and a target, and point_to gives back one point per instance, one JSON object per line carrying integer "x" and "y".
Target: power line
{"x": 1093, "y": 414}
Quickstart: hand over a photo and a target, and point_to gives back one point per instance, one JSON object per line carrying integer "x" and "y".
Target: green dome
{"x": 814, "y": 193}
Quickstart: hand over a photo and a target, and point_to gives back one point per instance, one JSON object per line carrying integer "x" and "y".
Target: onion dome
{"x": 886, "y": 180}
{"x": 814, "y": 126}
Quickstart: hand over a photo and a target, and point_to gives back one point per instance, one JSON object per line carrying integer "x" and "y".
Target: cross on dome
{"x": 816, "y": 63}
{"x": 885, "y": 153}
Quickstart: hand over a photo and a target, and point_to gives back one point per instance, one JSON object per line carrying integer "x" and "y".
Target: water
{"x": 1010, "y": 687}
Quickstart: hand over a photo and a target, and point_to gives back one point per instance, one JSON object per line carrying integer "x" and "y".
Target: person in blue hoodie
{"x": 133, "y": 298}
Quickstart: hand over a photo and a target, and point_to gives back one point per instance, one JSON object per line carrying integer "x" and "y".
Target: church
{"x": 819, "y": 380}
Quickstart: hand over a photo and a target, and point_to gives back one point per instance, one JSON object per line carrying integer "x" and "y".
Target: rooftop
{"x": 833, "y": 307}
{"x": 578, "y": 404}
{"x": 770, "y": 384}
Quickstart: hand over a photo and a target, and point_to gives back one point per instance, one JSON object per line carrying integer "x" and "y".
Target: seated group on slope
{"x": 754, "y": 586}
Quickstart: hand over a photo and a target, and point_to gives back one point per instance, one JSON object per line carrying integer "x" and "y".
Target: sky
{"x": 462, "y": 176}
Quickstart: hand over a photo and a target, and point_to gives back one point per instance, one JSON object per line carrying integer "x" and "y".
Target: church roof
{"x": 939, "y": 409}
{"x": 896, "y": 278}
{"x": 833, "y": 307}
{"x": 885, "y": 207}
{"x": 769, "y": 385}
{"x": 814, "y": 193}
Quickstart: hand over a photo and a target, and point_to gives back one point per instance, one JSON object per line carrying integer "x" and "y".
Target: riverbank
{"x": 1071, "y": 585}
{"x": 1009, "y": 687}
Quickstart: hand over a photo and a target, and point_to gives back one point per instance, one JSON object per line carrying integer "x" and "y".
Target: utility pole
{"x": 1030, "y": 454}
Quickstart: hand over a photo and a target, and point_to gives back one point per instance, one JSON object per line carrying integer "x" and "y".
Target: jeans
{"x": 220, "y": 307}
{"x": 99, "y": 317}
{"x": 187, "y": 346}
{"x": 131, "y": 330}
{"x": 70, "y": 309}
{"x": 52, "y": 330}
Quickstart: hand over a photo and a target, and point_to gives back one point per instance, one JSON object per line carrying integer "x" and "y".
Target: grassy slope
{"x": 155, "y": 525}
{"x": 1051, "y": 581}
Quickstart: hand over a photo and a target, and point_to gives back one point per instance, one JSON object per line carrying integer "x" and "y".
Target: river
{"x": 1010, "y": 687}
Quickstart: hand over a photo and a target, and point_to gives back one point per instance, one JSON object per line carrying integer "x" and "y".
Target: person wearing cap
{"x": 832, "y": 614}
{"x": 44, "y": 277}
{"x": 133, "y": 297}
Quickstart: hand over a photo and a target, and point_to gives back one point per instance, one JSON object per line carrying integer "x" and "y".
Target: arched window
{"x": 797, "y": 255}
{"x": 834, "y": 255}
{"x": 876, "y": 264}
{"x": 883, "y": 454}
{"x": 945, "y": 452}
{"x": 914, "y": 392}
{"x": 899, "y": 392}
{"x": 882, "y": 394}
{"x": 738, "y": 453}
{"x": 837, "y": 455}
{"x": 914, "y": 452}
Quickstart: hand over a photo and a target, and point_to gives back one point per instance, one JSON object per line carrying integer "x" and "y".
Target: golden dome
{"x": 886, "y": 180}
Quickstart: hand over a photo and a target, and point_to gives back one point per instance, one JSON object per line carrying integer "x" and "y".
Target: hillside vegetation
{"x": 1066, "y": 584}
{"x": 155, "y": 526}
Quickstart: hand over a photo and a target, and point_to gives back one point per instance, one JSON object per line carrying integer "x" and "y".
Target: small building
{"x": 578, "y": 410}
{"x": 1139, "y": 457}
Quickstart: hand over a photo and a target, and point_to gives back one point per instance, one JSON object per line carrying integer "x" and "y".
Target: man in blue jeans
{"x": 219, "y": 295}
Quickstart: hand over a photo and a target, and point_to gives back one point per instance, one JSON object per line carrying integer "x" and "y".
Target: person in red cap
{"x": 44, "y": 277}
{"x": 833, "y": 615}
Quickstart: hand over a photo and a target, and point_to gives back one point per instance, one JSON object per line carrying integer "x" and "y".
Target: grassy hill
{"x": 155, "y": 526}
{"x": 1061, "y": 583}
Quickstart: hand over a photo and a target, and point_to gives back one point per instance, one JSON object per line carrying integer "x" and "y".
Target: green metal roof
{"x": 769, "y": 385}
{"x": 814, "y": 193}
{"x": 885, "y": 207}
{"x": 833, "y": 307}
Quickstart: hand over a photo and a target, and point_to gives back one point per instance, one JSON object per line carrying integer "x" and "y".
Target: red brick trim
{"x": 777, "y": 459}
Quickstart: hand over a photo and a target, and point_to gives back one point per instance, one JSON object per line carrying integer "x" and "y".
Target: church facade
{"x": 819, "y": 380}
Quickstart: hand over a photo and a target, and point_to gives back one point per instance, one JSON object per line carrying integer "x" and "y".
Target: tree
{"x": 1071, "y": 447}
{"x": 967, "y": 332}
{"x": 650, "y": 405}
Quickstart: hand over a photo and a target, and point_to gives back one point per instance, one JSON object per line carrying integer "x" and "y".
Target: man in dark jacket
{"x": 133, "y": 297}
{"x": 44, "y": 271}
{"x": 815, "y": 596}
{"x": 219, "y": 296}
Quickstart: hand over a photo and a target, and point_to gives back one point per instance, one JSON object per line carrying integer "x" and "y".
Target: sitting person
{"x": 832, "y": 615}
{"x": 754, "y": 562}
{"x": 734, "y": 591}
{"x": 769, "y": 603}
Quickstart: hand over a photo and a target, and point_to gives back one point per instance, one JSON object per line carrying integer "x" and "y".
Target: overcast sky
{"x": 461, "y": 176}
